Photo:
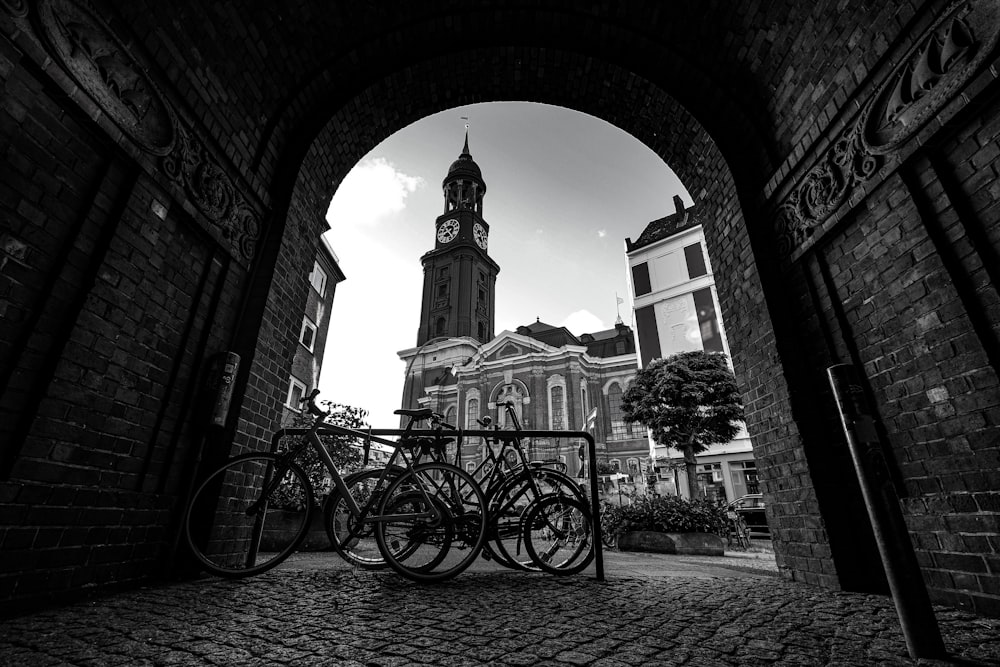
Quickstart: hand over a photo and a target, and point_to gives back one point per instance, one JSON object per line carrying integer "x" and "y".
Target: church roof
{"x": 548, "y": 334}
{"x": 666, "y": 227}
{"x": 599, "y": 344}
{"x": 464, "y": 166}
{"x": 610, "y": 342}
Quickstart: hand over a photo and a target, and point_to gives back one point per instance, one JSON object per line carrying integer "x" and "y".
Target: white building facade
{"x": 676, "y": 309}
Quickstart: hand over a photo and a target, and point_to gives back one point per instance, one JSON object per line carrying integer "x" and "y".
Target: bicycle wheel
{"x": 249, "y": 515}
{"x": 432, "y": 522}
{"x": 608, "y": 538}
{"x": 742, "y": 533}
{"x": 558, "y": 535}
{"x": 355, "y": 543}
{"x": 507, "y": 505}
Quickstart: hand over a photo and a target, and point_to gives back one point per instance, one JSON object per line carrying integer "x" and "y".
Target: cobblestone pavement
{"x": 652, "y": 610}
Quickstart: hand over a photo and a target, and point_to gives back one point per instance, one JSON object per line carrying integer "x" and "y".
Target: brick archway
{"x": 167, "y": 166}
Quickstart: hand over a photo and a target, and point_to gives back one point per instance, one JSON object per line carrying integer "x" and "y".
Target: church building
{"x": 554, "y": 379}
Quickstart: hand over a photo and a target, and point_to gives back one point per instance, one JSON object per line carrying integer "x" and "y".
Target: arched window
{"x": 635, "y": 429}
{"x": 557, "y": 417}
{"x": 516, "y": 393}
{"x": 441, "y": 328}
{"x": 633, "y": 469}
{"x": 451, "y": 449}
{"x": 472, "y": 413}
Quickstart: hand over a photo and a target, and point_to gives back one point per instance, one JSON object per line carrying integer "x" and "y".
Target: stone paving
{"x": 651, "y": 610}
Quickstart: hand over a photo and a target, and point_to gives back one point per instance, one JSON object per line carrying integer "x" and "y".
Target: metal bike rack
{"x": 459, "y": 434}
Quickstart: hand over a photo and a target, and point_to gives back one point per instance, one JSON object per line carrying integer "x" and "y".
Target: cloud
{"x": 601, "y": 233}
{"x": 372, "y": 190}
{"x": 583, "y": 321}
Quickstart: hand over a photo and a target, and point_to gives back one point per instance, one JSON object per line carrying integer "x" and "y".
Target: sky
{"x": 563, "y": 191}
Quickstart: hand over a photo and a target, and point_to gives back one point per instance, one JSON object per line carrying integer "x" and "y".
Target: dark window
{"x": 442, "y": 290}
{"x": 695, "y": 261}
{"x": 711, "y": 336}
{"x": 640, "y": 279}
{"x": 442, "y": 326}
{"x": 482, "y": 331}
{"x": 649, "y": 336}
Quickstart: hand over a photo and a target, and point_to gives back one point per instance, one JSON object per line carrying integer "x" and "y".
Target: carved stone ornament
{"x": 17, "y": 8}
{"x": 213, "y": 193}
{"x": 939, "y": 64}
{"x": 824, "y": 189}
{"x": 931, "y": 72}
{"x": 103, "y": 67}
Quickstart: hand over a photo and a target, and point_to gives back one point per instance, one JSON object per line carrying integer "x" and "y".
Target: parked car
{"x": 751, "y": 508}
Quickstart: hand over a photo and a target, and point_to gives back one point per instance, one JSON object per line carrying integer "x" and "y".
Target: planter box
{"x": 281, "y": 523}
{"x": 700, "y": 544}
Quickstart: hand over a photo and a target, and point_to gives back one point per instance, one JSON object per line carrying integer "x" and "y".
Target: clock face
{"x": 479, "y": 232}
{"x": 448, "y": 230}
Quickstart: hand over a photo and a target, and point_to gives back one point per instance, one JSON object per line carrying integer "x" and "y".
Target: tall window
{"x": 695, "y": 261}
{"x": 708, "y": 323}
{"x": 619, "y": 427}
{"x": 441, "y": 327}
{"x": 640, "y": 279}
{"x": 472, "y": 413}
{"x": 308, "y": 334}
{"x": 451, "y": 449}
{"x": 557, "y": 417}
{"x": 318, "y": 279}
{"x": 296, "y": 391}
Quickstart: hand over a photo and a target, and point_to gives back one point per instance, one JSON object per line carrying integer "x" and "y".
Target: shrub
{"x": 345, "y": 451}
{"x": 667, "y": 514}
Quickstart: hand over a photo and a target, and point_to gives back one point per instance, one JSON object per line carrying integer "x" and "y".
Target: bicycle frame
{"x": 363, "y": 514}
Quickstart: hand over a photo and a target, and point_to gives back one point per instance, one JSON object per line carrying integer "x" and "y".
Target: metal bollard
{"x": 913, "y": 606}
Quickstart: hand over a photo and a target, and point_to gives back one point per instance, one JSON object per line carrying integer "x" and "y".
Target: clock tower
{"x": 459, "y": 275}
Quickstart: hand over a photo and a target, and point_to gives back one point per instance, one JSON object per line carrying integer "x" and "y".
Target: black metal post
{"x": 913, "y": 606}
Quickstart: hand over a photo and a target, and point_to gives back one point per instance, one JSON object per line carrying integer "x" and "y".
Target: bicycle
{"x": 429, "y": 522}
{"x": 513, "y": 489}
{"x": 558, "y": 535}
{"x": 610, "y": 517}
{"x": 510, "y": 483}
{"x": 737, "y": 530}
{"x": 355, "y": 540}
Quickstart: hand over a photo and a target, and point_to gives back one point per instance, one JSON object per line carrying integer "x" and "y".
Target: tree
{"x": 689, "y": 401}
{"x": 344, "y": 450}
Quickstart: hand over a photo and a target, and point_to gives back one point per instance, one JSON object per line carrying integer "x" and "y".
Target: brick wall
{"x": 744, "y": 102}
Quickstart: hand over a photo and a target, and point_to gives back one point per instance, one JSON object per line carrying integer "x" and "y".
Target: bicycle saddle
{"x": 417, "y": 413}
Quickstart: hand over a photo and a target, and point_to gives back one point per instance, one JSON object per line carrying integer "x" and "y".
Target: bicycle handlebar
{"x": 310, "y": 403}
{"x": 438, "y": 420}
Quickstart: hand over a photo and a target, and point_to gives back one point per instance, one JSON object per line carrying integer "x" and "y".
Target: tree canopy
{"x": 688, "y": 401}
